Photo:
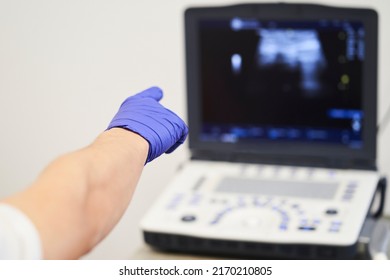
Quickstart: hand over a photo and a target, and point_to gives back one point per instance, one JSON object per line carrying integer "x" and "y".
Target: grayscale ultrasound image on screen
{"x": 298, "y": 50}
{"x": 281, "y": 81}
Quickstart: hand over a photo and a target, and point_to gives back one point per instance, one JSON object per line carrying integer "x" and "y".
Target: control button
{"x": 195, "y": 200}
{"x": 334, "y": 229}
{"x": 283, "y": 213}
{"x": 219, "y": 215}
{"x": 349, "y": 191}
{"x": 352, "y": 185}
{"x": 335, "y": 226}
{"x": 257, "y": 203}
{"x": 175, "y": 201}
{"x": 283, "y": 227}
{"x": 228, "y": 209}
{"x": 307, "y": 228}
{"x": 285, "y": 219}
{"x": 331, "y": 211}
{"x": 188, "y": 218}
{"x": 317, "y": 221}
{"x": 336, "y": 223}
{"x": 347, "y": 196}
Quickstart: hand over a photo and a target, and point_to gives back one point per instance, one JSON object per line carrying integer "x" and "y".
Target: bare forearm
{"x": 79, "y": 197}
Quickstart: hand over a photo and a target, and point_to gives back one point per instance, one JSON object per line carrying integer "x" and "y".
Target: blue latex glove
{"x": 144, "y": 115}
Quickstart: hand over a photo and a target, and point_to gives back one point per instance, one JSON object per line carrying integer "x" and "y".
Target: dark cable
{"x": 381, "y": 190}
{"x": 384, "y": 122}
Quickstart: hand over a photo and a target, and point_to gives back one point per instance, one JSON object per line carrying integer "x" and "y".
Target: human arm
{"x": 79, "y": 197}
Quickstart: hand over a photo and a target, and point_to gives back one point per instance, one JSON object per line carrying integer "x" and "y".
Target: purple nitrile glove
{"x": 144, "y": 115}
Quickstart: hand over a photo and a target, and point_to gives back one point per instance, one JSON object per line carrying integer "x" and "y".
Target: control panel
{"x": 264, "y": 203}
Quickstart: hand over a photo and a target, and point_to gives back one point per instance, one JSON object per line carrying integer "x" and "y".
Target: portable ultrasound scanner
{"x": 282, "y": 106}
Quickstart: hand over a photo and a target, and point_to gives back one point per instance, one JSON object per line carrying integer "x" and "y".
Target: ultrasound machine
{"x": 282, "y": 110}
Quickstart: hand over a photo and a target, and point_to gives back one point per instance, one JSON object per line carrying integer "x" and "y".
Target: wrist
{"x": 126, "y": 139}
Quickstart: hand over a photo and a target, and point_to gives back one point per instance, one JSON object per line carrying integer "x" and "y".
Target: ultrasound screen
{"x": 281, "y": 81}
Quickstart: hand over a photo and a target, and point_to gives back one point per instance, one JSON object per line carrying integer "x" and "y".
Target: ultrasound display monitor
{"x": 268, "y": 80}
{"x": 295, "y": 81}
{"x": 282, "y": 81}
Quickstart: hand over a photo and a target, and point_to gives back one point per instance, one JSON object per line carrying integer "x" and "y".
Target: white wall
{"x": 65, "y": 67}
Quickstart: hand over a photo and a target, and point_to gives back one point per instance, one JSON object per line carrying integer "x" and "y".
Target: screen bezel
{"x": 322, "y": 154}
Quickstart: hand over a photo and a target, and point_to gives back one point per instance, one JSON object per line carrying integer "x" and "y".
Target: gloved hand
{"x": 144, "y": 115}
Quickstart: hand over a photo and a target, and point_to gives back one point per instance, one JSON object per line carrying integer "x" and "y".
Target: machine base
{"x": 248, "y": 250}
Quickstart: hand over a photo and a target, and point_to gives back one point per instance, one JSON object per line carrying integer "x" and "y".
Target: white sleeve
{"x": 19, "y": 239}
